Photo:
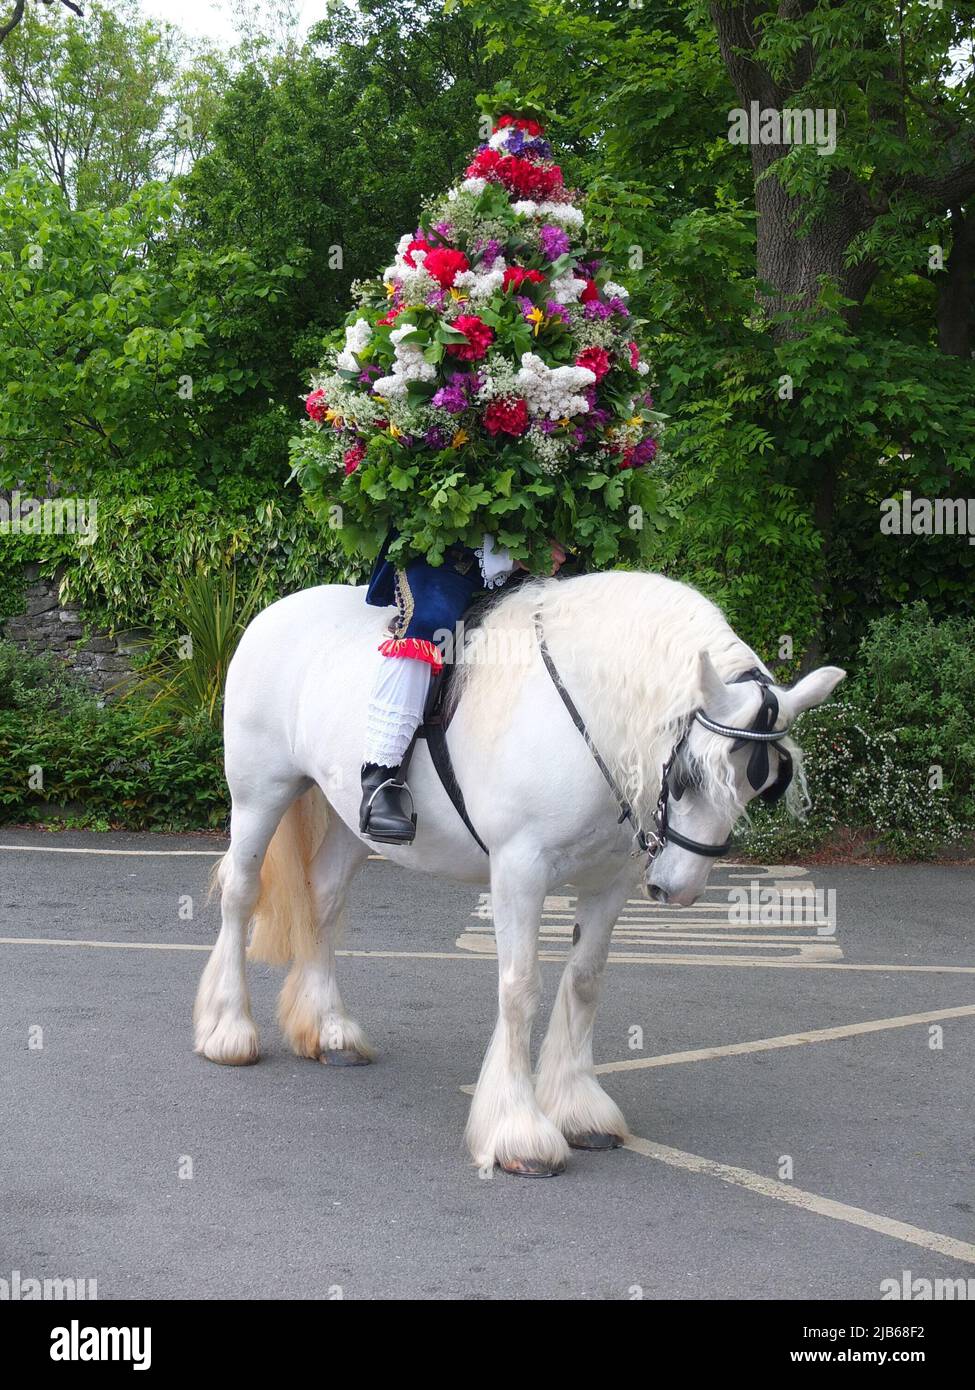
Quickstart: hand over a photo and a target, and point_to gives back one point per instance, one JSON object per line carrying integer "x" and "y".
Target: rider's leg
{"x": 395, "y": 710}
{"x": 431, "y": 600}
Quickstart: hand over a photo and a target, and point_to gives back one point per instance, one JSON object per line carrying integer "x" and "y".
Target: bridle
{"x": 761, "y": 732}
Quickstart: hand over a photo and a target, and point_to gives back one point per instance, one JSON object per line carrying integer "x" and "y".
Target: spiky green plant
{"x": 185, "y": 681}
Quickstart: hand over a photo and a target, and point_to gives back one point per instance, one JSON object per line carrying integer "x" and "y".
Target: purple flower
{"x": 590, "y": 268}
{"x": 444, "y": 229}
{"x": 616, "y": 306}
{"x": 436, "y": 299}
{"x": 454, "y": 396}
{"x": 526, "y": 305}
{"x": 490, "y": 253}
{"x": 553, "y": 241}
{"x": 554, "y": 310}
{"x": 519, "y": 142}
{"x": 643, "y": 452}
{"x": 547, "y": 426}
{"x": 596, "y": 309}
{"x": 436, "y": 438}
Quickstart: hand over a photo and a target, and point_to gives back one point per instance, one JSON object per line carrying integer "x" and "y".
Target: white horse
{"x": 639, "y": 654}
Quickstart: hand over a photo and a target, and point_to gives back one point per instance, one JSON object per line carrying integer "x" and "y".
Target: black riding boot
{"x": 383, "y": 815}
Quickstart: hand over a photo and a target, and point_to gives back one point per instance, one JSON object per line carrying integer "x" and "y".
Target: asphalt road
{"x": 799, "y": 1167}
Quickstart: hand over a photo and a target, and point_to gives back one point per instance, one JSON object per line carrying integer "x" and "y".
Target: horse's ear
{"x": 816, "y": 687}
{"x": 714, "y": 692}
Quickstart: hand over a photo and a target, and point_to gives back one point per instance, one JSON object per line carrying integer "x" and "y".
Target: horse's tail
{"x": 285, "y": 925}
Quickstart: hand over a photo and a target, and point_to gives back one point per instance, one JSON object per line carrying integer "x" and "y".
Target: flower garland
{"x": 491, "y": 381}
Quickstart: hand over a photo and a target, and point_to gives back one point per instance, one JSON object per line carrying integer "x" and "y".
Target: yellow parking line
{"x": 805, "y": 1201}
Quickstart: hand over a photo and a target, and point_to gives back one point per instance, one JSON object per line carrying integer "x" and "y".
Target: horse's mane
{"x": 627, "y": 646}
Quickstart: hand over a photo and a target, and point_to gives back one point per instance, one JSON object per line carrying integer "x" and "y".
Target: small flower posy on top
{"x": 492, "y": 380}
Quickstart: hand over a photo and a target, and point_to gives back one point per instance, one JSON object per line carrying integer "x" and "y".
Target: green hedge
{"x": 100, "y": 767}
{"x": 893, "y": 758}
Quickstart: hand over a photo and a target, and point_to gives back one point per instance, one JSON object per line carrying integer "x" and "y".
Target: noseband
{"x": 761, "y": 732}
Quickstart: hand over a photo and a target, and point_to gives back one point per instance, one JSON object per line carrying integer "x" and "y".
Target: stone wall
{"x": 47, "y": 624}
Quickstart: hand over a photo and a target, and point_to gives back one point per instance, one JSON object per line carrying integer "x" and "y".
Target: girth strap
{"x": 434, "y": 730}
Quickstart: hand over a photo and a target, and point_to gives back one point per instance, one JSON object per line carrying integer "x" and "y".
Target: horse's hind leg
{"x": 567, "y": 1088}
{"x": 223, "y": 1026}
{"x": 310, "y": 1009}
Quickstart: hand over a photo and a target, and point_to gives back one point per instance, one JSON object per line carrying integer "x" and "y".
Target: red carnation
{"x": 530, "y": 127}
{"x": 507, "y": 417}
{"x": 479, "y": 338}
{"x": 445, "y": 265}
{"x": 634, "y": 355}
{"x": 589, "y": 293}
{"x": 315, "y": 406}
{"x": 391, "y": 317}
{"x": 522, "y": 177}
{"x": 353, "y": 457}
{"x": 515, "y": 274}
{"x": 596, "y": 360}
{"x": 417, "y": 244}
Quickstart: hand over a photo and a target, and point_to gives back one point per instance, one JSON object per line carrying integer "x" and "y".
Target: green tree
{"x": 104, "y": 103}
{"x": 810, "y": 358}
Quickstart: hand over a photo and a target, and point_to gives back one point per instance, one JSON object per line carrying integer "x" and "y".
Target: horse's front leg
{"x": 567, "y": 1088}
{"x": 506, "y": 1127}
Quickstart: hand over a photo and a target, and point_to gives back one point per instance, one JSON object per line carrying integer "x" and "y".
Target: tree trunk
{"x": 956, "y": 289}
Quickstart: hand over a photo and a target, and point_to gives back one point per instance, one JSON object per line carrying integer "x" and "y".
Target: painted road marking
{"x": 749, "y": 963}
{"x": 140, "y": 853}
{"x": 805, "y": 1201}
{"x": 812, "y": 1035}
{"x": 646, "y": 929}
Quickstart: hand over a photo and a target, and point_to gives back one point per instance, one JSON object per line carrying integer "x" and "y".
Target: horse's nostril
{"x": 658, "y": 894}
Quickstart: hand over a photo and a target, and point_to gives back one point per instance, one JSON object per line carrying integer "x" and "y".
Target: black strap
{"x": 434, "y": 730}
{"x": 626, "y": 810}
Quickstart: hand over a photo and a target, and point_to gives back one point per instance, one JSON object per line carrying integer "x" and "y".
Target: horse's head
{"x": 735, "y": 748}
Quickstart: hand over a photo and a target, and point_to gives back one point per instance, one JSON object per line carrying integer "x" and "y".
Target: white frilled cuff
{"x": 496, "y": 564}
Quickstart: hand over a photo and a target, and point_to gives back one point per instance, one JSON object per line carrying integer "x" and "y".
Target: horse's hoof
{"x": 593, "y": 1139}
{"x": 344, "y": 1057}
{"x": 531, "y": 1168}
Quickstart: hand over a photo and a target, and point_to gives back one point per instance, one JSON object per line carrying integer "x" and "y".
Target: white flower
{"x": 553, "y": 392}
{"x": 417, "y": 284}
{"x": 474, "y": 185}
{"x": 614, "y": 291}
{"x": 408, "y": 366}
{"x": 357, "y": 336}
{"x": 566, "y": 288}
{"x": 563, "y": 214}
{"x": 525, "y": 208}
{"x": 643, "y": 368}
{"x": 481, "y": 284}
{"x": 499, "y": 140}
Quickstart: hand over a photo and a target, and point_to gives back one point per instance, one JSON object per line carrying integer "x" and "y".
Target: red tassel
{"x": 416, "y": 647}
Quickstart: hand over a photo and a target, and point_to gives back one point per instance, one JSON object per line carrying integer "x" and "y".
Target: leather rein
{"x": 761, "y": 733}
